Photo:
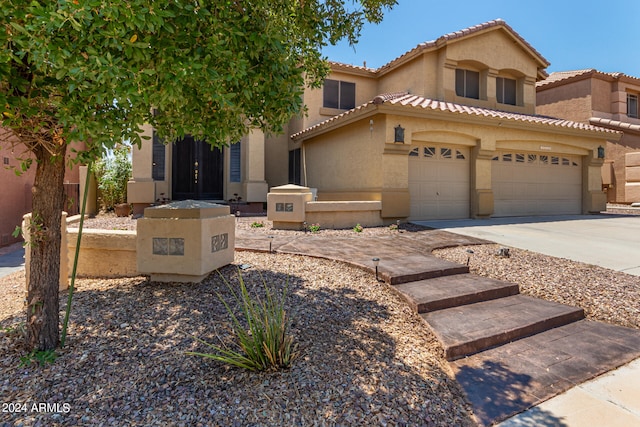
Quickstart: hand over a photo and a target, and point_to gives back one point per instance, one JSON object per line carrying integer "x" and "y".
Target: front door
{"x": 197, "y": 170}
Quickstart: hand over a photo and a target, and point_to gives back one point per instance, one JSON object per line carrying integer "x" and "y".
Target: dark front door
{"x": 197, "y": 170}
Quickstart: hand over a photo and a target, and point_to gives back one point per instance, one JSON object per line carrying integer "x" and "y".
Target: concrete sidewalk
{"x": 11, "y": 259}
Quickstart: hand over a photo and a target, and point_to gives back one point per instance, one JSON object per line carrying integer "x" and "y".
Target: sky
{"x": 570, "y": 34}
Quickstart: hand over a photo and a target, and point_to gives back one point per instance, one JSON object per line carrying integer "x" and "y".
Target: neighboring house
{"x": 447, "y": 130}
{"x": 16, "y": 198}
{"x": 608, "y": 100}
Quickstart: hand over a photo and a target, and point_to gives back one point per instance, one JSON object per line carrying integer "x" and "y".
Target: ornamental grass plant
{"x": 261, "y": 331}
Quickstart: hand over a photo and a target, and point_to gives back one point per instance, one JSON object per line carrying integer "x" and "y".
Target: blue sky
{"x": 570, "y": 34}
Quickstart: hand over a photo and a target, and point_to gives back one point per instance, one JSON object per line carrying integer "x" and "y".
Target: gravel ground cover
{"x": 605, "y": 295}
{"x": 365, "y": 358}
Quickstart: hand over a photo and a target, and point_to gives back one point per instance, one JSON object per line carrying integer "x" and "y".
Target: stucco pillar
{"x": 254, "y": 185}
{"x": 141, "y": 188}
{"x": 92, "y": 195}
{"x": 481, "y": 188}
{"x": 395, "y": 180}
{"x": 593, "y": 198}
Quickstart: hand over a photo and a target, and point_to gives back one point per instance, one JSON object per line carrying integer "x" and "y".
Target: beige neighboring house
{"x": 608, "y": 100}
{"x": 447, "y": 130}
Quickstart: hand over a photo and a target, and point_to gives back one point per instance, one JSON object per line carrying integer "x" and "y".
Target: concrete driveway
{"x": 610, "y": 241}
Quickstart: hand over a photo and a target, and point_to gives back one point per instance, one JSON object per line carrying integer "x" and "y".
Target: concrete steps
{"x": 472, "y": 328}
{"x": 443, "y": 292}
{"x": 470, "y": 314}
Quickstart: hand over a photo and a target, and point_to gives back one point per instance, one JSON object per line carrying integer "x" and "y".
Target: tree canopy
{"x": 95, "y": 71}
{"x": 210, "y": 69}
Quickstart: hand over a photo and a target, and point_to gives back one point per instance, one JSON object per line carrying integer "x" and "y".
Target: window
{"x": 445, "y": 153}
{"x": 468, "y": 83}
{"x": 414, "y": 152}
{"x": 294, "y": 166}
{"x": 235, "y": 163}
{"x": 429, "y": 152}
{"x": 632, "y": 105}
{"x": 506, "y": 91}
{"x": 338, "y": 94}
{"x": 158, "y": 158}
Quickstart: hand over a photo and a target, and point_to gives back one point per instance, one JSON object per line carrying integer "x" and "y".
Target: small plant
{"x": 393, "y": 227}
{"x": 257, "y": 224}
{"x": 112, "y": 174}
{"x": 262, "y": 341}
{"x": 314, "y": 228}
{"x": 358, "y": 228}
{"x": 40, "y": 357}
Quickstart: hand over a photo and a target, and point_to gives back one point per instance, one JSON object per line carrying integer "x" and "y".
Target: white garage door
{"x": 536, "y": 184}
{"x": 439, "y": 182}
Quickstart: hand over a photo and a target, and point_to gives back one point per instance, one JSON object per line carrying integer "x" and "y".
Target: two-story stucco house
{"x": 447, "y": 130}
{"x": 608, "y": 100}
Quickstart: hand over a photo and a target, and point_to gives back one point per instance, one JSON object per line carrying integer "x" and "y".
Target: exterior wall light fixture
{"x": 399, "y": 134}
{"x": 601, "y": 152}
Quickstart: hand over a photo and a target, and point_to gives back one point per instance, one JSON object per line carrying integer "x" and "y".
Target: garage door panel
{"x": 537, "y": 186}
{"x": 439, "y": 182}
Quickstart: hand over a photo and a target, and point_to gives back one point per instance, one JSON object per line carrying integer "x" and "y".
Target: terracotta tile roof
{"x": 566, "y": 76}
{"x": 405, "y": 100}
{"x": 614, "y": 124}
{"x": 463, "y": 33}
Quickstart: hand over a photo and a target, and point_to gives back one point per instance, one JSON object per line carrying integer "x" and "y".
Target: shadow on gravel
{"x": 125, "y": 363}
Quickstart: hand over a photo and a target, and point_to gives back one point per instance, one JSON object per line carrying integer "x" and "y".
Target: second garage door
{"x": 536, "y": 184}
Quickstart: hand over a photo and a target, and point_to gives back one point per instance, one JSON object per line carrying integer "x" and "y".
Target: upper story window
{"x": 468, "y": 83}
{"x": 339, "y": 94}
{"x": 506, "y": 90}
{"x": 632, "y": 105}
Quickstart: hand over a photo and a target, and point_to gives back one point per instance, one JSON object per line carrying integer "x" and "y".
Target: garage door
{"x": 439, "y": 182}
{"x": 536, "y": 184}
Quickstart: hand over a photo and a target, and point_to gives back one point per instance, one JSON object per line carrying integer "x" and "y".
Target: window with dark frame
{"x": 339, "y": 94}
{"x": 632, "y": 105}
{"x": 506, "y": 90}
{"x": 235, "y": 162}
{"x": 158, "y": 159}
{"x": 295, "y": 169}
{"x": 468, "y": 83}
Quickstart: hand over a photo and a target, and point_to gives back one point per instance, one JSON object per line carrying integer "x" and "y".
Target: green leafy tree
{"x": 96, "y": 70}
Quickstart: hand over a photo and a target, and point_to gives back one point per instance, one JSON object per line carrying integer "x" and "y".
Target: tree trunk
{"x": 44, "y": 275}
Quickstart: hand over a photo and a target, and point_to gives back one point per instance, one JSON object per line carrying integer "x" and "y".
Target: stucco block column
{"x": 64, "y": 254}
{"x": 141, "y": 189}
{"x": 632, "y": 177}
{"x": 92, "y": 196}
{"x": 286, "y": 206}
{"x": 593, "y": 198}
{"x": 254, "y": 185}
{"x": 185, "y": 241}
{"x": 482, "y": 203}
{"x": 395, "y": 180}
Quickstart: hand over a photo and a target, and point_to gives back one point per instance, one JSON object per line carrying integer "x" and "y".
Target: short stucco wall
{"x": 103, "y": 253}
{"x": 344, "y": 214}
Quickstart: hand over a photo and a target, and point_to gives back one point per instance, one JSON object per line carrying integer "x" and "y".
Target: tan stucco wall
{"x": 357, "y": 164}
{"x": 347, "y": 159}
{"x": 571, "y": 101}
{"x": 103, "y": 253}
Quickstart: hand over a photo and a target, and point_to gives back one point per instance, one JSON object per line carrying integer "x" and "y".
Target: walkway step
{"x": 414, "y": 267}
{"x": 451, "y": 291}
{"x": 476, "y": 327}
